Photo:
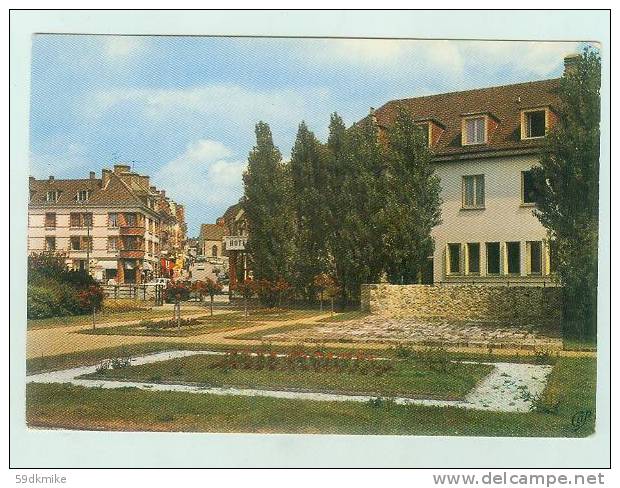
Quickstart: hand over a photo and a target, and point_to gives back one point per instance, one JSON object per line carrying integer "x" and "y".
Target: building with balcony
{"x": 111, "y": 226}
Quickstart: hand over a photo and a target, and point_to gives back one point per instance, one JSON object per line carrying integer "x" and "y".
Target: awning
{"x": 107, "y": 264}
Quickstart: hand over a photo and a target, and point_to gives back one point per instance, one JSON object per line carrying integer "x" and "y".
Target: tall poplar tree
{"x": 356, "y": 171}
{"x": 567, "y": 183}
{"x": 412, "y": 201}
{"x": 270, "y": 216}
{"x": 309, "y": 183}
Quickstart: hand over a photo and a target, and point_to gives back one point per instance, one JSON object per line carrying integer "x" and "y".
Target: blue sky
{"x": 183, "y": 109}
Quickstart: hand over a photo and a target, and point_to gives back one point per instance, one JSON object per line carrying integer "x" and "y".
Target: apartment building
{"x": 484, "y": 144}
{"x": 111, "y": 226}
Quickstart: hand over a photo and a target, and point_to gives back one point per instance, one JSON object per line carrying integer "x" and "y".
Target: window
{"x": 493, "y": 258}
{"x": 50, "y": 220}
{"x": 528, "y": 188}
{"x": 513, "y": 252}
{"x": 473, "y": 258}
{"x": 52, "y": 196}
{"x": 113, "y": 220}
{"x": 81, "y": 243}
{"x": 81, "y": 219}
{"x": 534, "y": 254}
{"x": 454, "y": 258}
{"x": 474, "y": 130}
{"x": 214, "y": 251}
{"x": 130, "y": 220}
{"x": 50, "y": 243}
{"x": 75, "y": 220}
{"x": 473, "y": 191}
{"x": 112, "y": 243}
{"x": 534, "y": 124}
{"x": 82, "y": 195}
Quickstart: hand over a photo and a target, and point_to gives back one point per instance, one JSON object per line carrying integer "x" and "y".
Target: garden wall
{"x": 498, "y": 305}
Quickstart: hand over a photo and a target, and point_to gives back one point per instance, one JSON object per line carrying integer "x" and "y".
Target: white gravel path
{"x": 501, "y": 391}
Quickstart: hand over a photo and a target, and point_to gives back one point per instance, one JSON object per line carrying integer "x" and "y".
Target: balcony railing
{"x": 134, "y": 230}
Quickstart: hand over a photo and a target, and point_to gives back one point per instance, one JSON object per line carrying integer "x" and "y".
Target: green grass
{"x": 579, "y": 345}
{"x": 279, "y": 329}
{"x": 81, "y": 358}
{"x": 101, "y": 318}
{"x": 128, "y": 409}
{"x": 207, "y": 324}
{"x": 279, "y": 314}
{"x": 415, "y": 379}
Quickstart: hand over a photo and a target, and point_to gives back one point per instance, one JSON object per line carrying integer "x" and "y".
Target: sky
{"x": 182, "y": 109}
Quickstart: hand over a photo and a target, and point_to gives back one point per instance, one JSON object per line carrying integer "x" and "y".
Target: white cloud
{"x": 121, "y": 48}
{"x": 68, "y": 158}
{"x": 437, "y": 57}
{"x": 221, "y": 102}
{"x": 204, "y": 174}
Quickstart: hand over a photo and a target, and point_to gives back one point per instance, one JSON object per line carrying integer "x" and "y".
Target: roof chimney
{"x": 570, "y": 63}
{"x": 51, "y": 178}
{"x": 92, "y": 175}
{"x": 121, "y": 168}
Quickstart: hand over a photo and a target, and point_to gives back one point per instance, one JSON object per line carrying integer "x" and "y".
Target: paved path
{"x": 63, "y": 340}
{"x": 501, "y": 391}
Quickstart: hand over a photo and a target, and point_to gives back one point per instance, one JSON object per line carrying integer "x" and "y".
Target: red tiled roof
{"x": 116, "y": 192}
{"x": 503, "y": 103}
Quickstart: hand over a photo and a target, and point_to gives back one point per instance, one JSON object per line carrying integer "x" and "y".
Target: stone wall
{"x": 498, "y": 305}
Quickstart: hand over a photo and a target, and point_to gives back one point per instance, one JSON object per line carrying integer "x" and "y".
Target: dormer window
{"x": 474, "y": 130}
{"x": 83, "y": 195}
{"x": 52, "y": 196}
{"x": 534, "y": 123}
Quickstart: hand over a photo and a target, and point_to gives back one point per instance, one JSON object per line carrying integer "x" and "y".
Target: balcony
{"x": 134, "y": 230}
{"x": 131, "y": 253}
{"x": 235, "y": 243}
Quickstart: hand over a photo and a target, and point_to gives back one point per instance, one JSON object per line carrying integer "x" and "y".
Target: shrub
{"x": 43, "y": 303}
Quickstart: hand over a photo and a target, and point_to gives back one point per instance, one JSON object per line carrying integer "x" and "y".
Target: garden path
{"x": 508, "y": 388}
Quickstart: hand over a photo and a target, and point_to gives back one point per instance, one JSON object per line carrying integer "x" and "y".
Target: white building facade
{"x": 484, "y": 143}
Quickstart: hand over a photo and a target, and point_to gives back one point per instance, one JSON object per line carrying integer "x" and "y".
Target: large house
{"x": 117, "y": 227}
{"x": 484, "y": 143}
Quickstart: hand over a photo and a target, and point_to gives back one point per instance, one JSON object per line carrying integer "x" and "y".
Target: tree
{"x": 176, "y": 292}
{"x": 92, "y": 297}
{"x": 567, "y": 192}
{"x": 208, "y": 287}
{"x": 267, "y": 197}
{"x": 356, "y": 168}
{"x": 412, "y": 202}
{"x": 309, "y": 184}
{"x": 212, "y": 288}
{"x": 326, "y": 285}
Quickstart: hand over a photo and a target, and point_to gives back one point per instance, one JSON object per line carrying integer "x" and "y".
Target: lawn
{"x": 101, "y": 318}
{"x": 363, "y": 376}
{"x": 277, "y": 329}
{"x": 74, "y": 407}
{"x": 205, "y": 324}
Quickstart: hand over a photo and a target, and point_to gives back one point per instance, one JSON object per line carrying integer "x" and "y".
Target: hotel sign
{"x": 235, "y": 243}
